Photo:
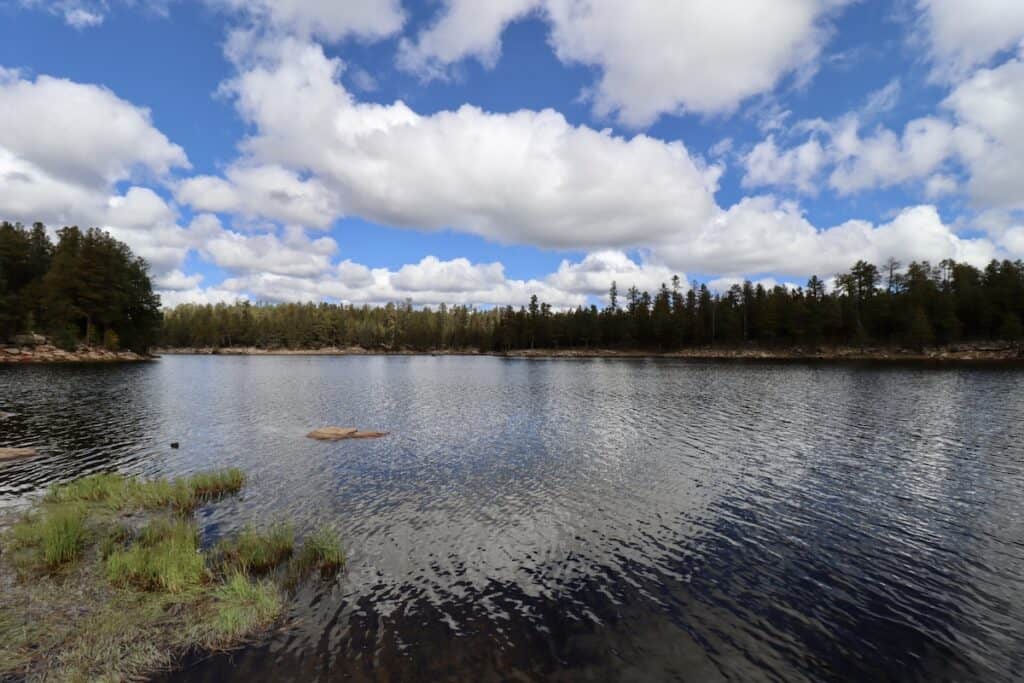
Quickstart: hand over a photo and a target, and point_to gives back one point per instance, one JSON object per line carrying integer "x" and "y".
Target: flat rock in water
{"x": 16, "y": 453}
{"x": 339, "y": 433}
{"x": 4, "y": 416}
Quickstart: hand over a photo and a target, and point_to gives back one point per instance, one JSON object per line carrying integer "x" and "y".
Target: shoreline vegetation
{"x": 969, "y": 353}
{"x": 107, "y": 578}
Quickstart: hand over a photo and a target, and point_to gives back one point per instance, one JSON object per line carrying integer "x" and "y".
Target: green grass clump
{"x": 321, "y": 551}
{"x": 166, "y": 558}
{"x": 243, "y": 606}
{"x": 163, "y": 529}
{"x": 119, "y": 492}
{"x": 92, "y": 489}
{"x": 53, "y": 539}
{"x": 255, "y": 552}
{"x": 210, "y": 485}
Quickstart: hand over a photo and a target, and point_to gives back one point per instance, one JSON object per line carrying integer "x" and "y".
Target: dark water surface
{"x": 587, "y": 519}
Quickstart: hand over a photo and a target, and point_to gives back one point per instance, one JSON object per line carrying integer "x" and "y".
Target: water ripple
{"x": 587, "y": 519}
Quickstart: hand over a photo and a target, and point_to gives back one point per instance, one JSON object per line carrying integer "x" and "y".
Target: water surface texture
{"x": 587, "y": 519}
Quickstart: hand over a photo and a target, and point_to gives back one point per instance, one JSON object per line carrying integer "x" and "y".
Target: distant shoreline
{"x": 962, "y": 353}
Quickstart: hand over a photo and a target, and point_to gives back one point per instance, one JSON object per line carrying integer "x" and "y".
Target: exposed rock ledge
{"x": 46, "y": 353}
{"x": 339, "y": 433}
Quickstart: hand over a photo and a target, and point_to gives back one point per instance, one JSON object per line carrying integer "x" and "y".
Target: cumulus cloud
{"x": 983, "y": 133}
{"x": 387, "y": 285}
{"x": 880, "y": 159}
{"x": 465, "y": 28}
{"x": 433, "y": 281}
{"x": 525, "y": 177}
{"x": 595, "y": 273}
{"x": 961, "y": 36}
{"x": 990, "y": 108}
{"x": 178, "y": 281}
{"x": 703, "y": 57}
{"x": 797, "y": 167}
{"x": 112, "y": 139}
{"x": 291, "y": 254}
{"x": 269, "y": 191}
{"x": 765, "y": 235}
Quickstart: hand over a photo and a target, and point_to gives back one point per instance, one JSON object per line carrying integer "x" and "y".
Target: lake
{"x": 586, "y": 519}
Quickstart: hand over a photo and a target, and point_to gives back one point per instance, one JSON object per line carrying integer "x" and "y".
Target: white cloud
{"x": 78, "y": 14}
{"x": 704, "y": 56}
{"x": 883, "y": 160}
{"x": 269, "y": 191}
{"x": 82, "y": 18}
{"x": 797, "y": 167}
{"x": 764, "y": 235}
{"x": 456, "y": 275}
{"x": 111, "y": 137}
{"x": 963, "y": 35}
{"x": 990, "y": 107}
{"x": 385, "y": 285}
{"x": 940, "y": 185}
{"x": 293, "y": 254}
{"x": 330, "y": 20}
{"x": 654, "y": 57}
{"x": 596, "y": 272}
{"x": 465, "y": 28}
{"x": 858, "y": 162}
{"x": 178, "y": 281}
{"x": 525, "y": 177}
{"x": 882, "y": 100}
{"x": 170, "y": 298}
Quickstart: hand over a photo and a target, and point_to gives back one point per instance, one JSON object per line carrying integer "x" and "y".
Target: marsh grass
{"x": 165, "y": 557}
{"x": 120, "y": 493}
{"x": 321, "y": 551}
{"x": 51, "y": 540}
{"x": 243, "y": 605}
{"x": 254, "y": 552}
{"x": 107, "y": 578}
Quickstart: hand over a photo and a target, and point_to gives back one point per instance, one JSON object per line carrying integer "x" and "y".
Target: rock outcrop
{"x": 47, "y": 353}
{"x": 341, "y": 433}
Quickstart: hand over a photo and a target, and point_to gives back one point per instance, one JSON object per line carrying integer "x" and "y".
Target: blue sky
{"x": 448, "y": 151}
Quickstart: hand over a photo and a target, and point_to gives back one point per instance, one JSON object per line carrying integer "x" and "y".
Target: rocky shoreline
{"x": 967, "y": 353}
{"x": 46, "y": 353}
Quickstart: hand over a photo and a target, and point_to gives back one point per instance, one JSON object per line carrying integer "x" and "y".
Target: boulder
{"x": 4, "y": 416}
{"x": 16, "y": 453}
{"x": 339, "y": 433}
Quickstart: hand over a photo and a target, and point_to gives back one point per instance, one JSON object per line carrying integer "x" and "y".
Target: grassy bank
{"x": 107, "y": 579}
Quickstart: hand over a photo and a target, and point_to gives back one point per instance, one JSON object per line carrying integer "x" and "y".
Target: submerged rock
{"x": 4, "y": 416}
{"x": 339, "y": 433}
{"x": 16, "y": 453}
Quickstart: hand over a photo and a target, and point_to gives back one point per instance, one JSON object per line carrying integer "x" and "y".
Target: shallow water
{"x": 587, "y": 519}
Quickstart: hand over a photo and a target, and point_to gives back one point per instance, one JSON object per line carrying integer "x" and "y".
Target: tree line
{"x": 87, "y": 288}
{"x": 916, "y": 306}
